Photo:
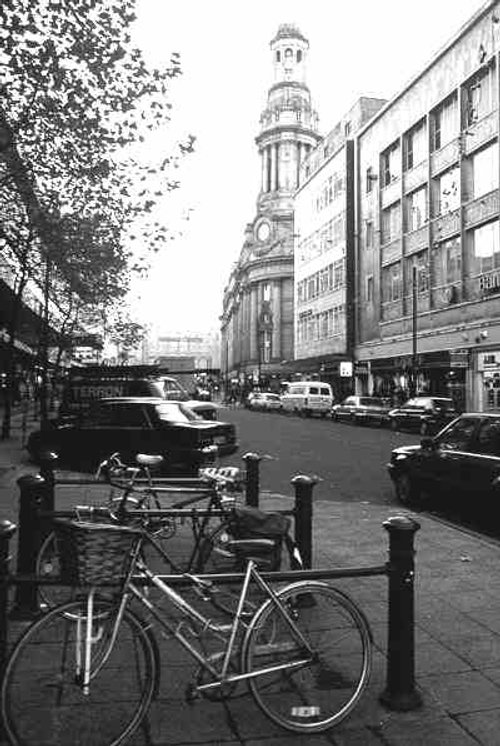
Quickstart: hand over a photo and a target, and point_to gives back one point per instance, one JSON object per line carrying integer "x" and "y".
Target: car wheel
{"x": 406, "y": 491}
{"x": 335, "y": 417}
{"x": 424, "y": 428}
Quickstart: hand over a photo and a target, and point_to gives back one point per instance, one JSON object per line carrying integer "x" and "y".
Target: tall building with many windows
{"x": 324, "y": 253}
{"x": 257, "y": 317}
{"x": 428, "y": 257}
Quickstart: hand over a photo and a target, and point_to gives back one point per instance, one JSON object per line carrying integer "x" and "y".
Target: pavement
{"x": 457, "y": 634}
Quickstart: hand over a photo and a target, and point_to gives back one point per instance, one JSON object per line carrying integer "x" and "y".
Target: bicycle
{"x": 210, "y": 552}
{"x": 305, "y": 654}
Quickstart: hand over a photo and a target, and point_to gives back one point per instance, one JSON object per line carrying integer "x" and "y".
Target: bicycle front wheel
{"x": 43, "y": 700}
{"x": 320, "y": 654}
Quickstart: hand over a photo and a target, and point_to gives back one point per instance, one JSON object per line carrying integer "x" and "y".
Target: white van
{"x": 307, "y": 398}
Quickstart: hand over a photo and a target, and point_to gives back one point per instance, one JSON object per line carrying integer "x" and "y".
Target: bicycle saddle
{"x": 147, "y": 459}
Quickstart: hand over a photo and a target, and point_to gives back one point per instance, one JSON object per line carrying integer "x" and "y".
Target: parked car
{"x": 426, "y": 414}
{"x": 363, "y": 410}
{"x": 132, "y": 425}
{"x": 462, "y": 460}
{"x": 308, "y": 398}
{"x": 265, "y": 401}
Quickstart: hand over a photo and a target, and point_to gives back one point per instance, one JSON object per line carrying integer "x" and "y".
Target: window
{"x": 299, "y": 55}
{"x": 480, "y": 96}
{"x": 486, "y": 248}
{"x": 369, "y": 289}
{"x": 338, "y": 274}
{"x": 391, "y": 223}
{"x": 391, "y": 282}
{"x": 447, "y": 192}
{"x": 457, "y": 437}
{"x": 266, "y": 347}
{"x": 447, "y": 263}
{"x": 488, "y": 437}
{"x": 444, "y": 123}
{"x": 266, "y": 291}
{"x": 278, "y": 56}
{"x": 420, "y": 261}
{"x": 390, "y": 167}
{"x": 416, "y": 209}
{"x": 415, "y": 146}
{"x": 369, "y": 234}
{"x": 485, "y": 170}
{"x": 370, "y": 178}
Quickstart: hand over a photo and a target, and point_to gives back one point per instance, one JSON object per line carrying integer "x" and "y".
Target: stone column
{"x": 253, "y": 323}
{"x": 273, "y": 168}
{"x": 276, "y": 309}
{"x": 265, "y": 169}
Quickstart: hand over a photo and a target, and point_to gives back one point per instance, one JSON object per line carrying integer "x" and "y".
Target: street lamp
{"x": 414, "y": 356}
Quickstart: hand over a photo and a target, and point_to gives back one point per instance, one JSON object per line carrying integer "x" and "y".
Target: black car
{"x": 363, "y": 410}
{"x": 463, "y": 460}
{"x": 132, "y": 425}
{"x": 425, "y": 414}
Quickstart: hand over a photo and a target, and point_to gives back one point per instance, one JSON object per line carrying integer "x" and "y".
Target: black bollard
{"x": 304, "y": 486}
{"x": 400, "y": 693}
{"x": 252, "y": 461}
{"x": 6, "y": 532}
{"x": 33, "y": 498}
{"x": 48, "y": 461}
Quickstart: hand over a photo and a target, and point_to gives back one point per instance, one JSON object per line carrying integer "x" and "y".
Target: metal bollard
{"x": 252, "y": 461}
{"x": 48, "y": 462}
{"x": 400, "y": 693}
{"x": 34, "y": 497}
{"x": 304, "y": 486}
{"x": 6, "y": 532}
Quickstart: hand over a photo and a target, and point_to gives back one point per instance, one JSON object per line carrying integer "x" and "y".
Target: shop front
{"x": 488, "y": 366}
{"x": 437, "y": 373}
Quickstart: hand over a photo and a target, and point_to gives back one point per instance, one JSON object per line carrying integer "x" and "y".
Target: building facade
{"x": 324, "y": 254}
{"x": 428, "y": 207}
{"x": 257, "y": 318}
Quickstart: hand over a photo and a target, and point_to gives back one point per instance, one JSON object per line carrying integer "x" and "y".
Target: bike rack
{"x": 400, "y": 692}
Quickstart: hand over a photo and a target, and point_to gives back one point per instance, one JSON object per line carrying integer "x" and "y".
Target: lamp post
{"x": 414, "y": 355}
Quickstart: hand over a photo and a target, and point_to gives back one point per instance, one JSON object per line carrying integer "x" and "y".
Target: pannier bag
{"x": 252, "y": 523}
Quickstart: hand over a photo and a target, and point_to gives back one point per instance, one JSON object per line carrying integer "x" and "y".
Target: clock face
{"x": 263, "y": 231}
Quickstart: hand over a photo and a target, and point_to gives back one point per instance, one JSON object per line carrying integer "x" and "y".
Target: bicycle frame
{"x": 227, "y": 633}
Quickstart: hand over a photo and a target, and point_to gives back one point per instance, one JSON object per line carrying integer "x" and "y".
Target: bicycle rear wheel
{"x": 327, "y": 680}
{"x": 43, "y": 702}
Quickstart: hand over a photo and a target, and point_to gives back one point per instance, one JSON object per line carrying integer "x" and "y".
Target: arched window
{"x": 288, "y": 53}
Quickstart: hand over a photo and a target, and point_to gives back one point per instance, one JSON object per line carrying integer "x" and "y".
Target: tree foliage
{"x": 76, "y": 98}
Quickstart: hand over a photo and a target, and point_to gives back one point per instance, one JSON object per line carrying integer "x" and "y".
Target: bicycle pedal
{"x": 191, "y": 693}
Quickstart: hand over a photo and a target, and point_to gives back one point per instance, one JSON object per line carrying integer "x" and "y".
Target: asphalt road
{"x": 348, "y": 459}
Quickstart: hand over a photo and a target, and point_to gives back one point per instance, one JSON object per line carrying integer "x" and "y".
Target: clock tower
{"x": 257, "y": 321}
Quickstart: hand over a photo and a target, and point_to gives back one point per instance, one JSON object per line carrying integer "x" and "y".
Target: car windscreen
{"x": 175, "y": 412}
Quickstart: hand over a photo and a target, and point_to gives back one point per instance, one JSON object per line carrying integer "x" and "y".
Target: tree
{"x": 75, "y": 95}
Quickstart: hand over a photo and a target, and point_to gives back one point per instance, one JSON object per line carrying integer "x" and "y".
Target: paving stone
{"x": 462, "y": 692}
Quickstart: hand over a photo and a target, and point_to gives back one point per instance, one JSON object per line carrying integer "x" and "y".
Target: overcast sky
{"x": 356, "y": 48}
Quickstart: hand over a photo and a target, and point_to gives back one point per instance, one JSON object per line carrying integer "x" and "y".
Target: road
{"x": 349, "y": 459}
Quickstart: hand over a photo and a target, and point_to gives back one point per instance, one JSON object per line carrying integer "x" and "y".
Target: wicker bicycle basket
{"x": 94, "y": 553}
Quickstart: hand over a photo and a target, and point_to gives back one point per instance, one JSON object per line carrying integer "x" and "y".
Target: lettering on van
{"x": 89, "y": 393}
